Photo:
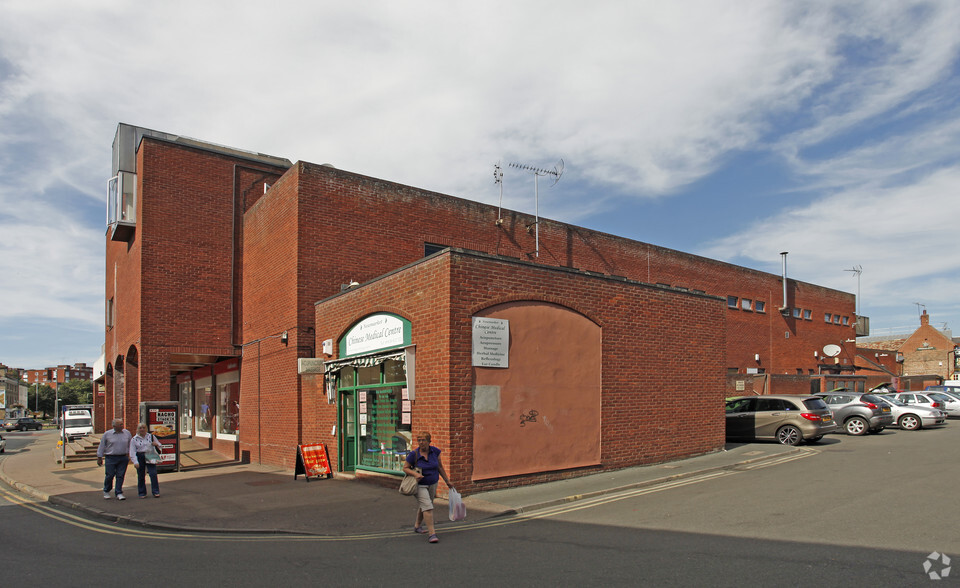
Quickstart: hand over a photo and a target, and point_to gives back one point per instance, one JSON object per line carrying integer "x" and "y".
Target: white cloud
{"x": 640, "y": 98}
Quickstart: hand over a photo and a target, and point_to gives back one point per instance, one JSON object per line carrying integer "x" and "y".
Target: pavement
{"x": 227, "y": 496}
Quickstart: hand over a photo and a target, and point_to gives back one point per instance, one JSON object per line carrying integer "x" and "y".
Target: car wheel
{"x": 856, "y": 426}
{"x": 789, "y": 435}
{"x": 909, "y": 422}
{"x": 23, "y": 428}
{"x": 815, "y": 439}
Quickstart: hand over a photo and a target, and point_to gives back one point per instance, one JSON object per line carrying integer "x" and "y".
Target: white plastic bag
{"x": 458, "y": 510}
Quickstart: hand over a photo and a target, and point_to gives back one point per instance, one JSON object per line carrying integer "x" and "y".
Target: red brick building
{"x": 54, "y": 376}
{"x": 216, "y": 260}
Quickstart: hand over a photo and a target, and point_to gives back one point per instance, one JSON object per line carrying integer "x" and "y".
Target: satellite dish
{"x": 832, "y": 350}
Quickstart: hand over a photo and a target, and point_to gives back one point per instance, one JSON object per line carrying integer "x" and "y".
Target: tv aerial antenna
{"x": 498, "y": 179}
{"x": 556, "y": 172}
{"x": 857, "y": 270}
{"x": 918, "y": 308}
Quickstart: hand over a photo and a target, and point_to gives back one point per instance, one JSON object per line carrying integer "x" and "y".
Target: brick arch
{"x": 131, "y": 393}
{"x": 547, "y": 400}
{"x": 566, "y": 303}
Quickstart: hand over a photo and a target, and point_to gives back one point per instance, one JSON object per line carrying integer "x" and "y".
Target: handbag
{"x": 151, "y": 455}
{"x": 408, "y": 487}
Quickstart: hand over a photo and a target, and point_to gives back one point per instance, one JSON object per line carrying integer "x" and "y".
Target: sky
{"x": 733, "y": 130}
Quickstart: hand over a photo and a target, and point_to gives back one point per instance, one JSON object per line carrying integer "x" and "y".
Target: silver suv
{"x": 857, "y": 413}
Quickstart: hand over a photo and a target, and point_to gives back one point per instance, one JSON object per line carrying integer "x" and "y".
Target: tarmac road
{"x": 830, "y": 515}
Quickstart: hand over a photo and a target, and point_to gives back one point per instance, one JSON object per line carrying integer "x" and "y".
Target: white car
{"x": 913, "y": 417}
{"x": 920, "y": 399}
{"x": 950, "y": 403}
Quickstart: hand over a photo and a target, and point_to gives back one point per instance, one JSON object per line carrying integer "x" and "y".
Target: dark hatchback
{"x": 785, "y": 418}
{"x": 23, "y": 424}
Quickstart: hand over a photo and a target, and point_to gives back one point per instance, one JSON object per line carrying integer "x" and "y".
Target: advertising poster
{"x": 162, "y": 422}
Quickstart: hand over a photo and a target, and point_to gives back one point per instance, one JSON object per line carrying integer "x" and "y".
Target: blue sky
{"x": 829, "y": 129}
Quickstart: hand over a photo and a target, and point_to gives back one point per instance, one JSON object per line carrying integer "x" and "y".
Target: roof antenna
{"x": 556, "y": 172}
{"x": 857, "y": 270}
{"x": 918, "y": 308}
{"x": 498, "y": 179}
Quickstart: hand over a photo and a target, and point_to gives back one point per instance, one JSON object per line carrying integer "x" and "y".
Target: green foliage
{"x": 47, "y": 399}
{"x": 76, "y": 392}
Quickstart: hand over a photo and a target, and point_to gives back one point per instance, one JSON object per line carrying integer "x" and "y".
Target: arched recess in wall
{"x": 118, "y": 384}
{"x": 131, "y": 391}
{"x": 542, "y": 412}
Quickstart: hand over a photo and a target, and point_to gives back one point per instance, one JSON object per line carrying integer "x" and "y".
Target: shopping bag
{"x": 458, "y": 510}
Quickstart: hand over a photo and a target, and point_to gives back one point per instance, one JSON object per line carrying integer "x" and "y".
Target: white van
{"x": 76, "y": 423}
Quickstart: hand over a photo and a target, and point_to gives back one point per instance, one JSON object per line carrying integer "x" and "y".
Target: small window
{"x": 796, "y": 313}
{"x": 846, "y": 321}
{"x": 826, "y": 317}
{"x": 760, "y": 306}
{"x": 731, "y": 302}
{"x": 746, "y": 304}
{"x": 109, "y": 317}
{"x": 836, "y": 319}
{"x": 807, "y": 315}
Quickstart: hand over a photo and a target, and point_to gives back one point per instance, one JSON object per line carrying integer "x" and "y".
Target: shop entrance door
{"x": 348, "y": 431}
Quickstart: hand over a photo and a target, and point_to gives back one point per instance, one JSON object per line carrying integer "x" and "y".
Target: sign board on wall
{"x": 376, "y": 332}
{"x": 491, "y": 342}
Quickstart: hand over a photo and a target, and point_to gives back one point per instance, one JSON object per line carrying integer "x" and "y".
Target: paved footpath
{"x": 237, "y": 497}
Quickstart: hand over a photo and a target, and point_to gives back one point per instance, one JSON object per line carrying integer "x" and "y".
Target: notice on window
{"x": 491, "y": 342}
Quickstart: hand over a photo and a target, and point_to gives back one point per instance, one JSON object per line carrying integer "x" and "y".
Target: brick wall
{"x": 648, "y": 371}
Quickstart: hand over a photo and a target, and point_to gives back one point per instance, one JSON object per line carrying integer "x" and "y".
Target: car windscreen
{"x": 942, "y": 397}
{"x": 815, "y": 404}
{"x": 870, "y": 398}
{"x": 892, "y": 400}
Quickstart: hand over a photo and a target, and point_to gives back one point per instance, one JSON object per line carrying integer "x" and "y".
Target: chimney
{"x": 924, "y": 318}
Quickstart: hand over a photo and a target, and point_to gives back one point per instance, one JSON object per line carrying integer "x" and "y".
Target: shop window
{"x": 746, "y": 304}
{"x": 186, "y": 408}
{"x": 206, "y": 408}
{"x": 393, "y": 371}
{"x": 760, "y": 306}
{"x": 228, "y": 401}
{"x": 368, "y": 375}
{"x": 732, "y": 302}
{"x": 808, "y": 315}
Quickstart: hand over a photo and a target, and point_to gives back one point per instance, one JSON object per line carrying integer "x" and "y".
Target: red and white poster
{"x": 162, "y": 422}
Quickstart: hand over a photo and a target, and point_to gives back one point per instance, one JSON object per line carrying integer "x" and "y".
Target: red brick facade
{"x": 647, "y": 371}
{"x": 220, "y": 266}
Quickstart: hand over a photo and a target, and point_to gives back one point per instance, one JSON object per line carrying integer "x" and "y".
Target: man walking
{"x": 115, "y": 448}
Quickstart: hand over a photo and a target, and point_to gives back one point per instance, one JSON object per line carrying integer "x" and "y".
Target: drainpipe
{"x": 783, "y": 255}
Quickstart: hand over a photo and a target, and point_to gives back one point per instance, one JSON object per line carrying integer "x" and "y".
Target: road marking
{"x": 570, "y": 504}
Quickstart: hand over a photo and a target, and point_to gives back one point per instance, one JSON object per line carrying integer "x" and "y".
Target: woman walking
{"x": 139, "y": 445}
{"x": 427, "y": 458}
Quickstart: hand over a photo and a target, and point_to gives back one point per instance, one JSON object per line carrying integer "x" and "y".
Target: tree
{"x": 47, "y": 398}
{"x": 75, "y": 392}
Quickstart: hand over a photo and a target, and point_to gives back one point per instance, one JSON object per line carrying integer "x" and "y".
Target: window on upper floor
{"x": 796, "y": 313}
{"x": 826, "y": 317}
{"x": 109, "y": 314}
{"x": 846, "y": 321}
{"x": 746, "y": 304}
{"x": 760, "y": 306}
{"x": 732, "y": 302}
{"x": 836, "y": 319}
{"x": 807, "y": 315}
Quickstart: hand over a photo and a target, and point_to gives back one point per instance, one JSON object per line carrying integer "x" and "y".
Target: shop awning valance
{"x": 362, "y": 361}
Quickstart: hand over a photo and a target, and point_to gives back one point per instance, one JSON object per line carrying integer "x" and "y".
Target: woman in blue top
{"x": 427, "y": 458}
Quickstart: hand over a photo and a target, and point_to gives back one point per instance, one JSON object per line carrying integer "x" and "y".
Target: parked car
{"x": 950, "y": 404}
{"x": 3, "y": 444}
{"x": 912, "y": 418}
{"x": 857, "y": 413}
{"x": 23, "y": 424}
{"x": 920, "y": 399}
{"x": 785, "y": 418}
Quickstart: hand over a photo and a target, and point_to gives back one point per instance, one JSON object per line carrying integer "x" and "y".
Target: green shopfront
{"x": 369, "y": 383}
